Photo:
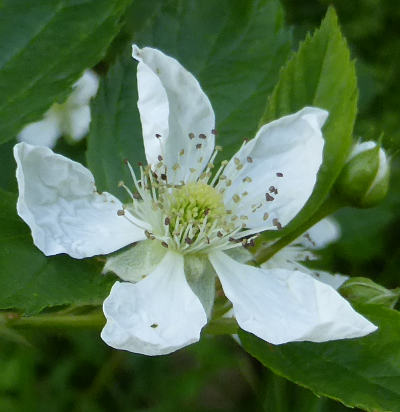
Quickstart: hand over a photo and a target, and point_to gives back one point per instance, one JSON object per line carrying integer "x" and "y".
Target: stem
{"x": 328, "y": 207}
{"x": 91, "y": 320}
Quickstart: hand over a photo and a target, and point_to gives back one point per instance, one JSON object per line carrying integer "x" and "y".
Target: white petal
{"x": 76, "y": 122}
{"x": 335, "y": 280}
{"x": 173, "y": 105}
{"x": 285, "y": 157}
{"x": 155, "y": 316}
{"x": 59, "y": 202}
{"x": 84, "y": 89}
{"x": 321, "y": 234}
{"x": 137, "y": 262}
{"x": 42, "y": 133}
{"x": 282, "y": 306}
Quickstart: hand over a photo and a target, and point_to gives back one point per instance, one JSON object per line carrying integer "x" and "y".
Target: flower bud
{"x": 364, "y": 290}
{"x": 364, "y": 180}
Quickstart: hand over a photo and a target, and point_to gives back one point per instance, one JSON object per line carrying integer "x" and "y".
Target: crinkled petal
{"x": 173, "y": 106}
{"x": 321, "y": 234}
{"x": 76, "y": 122}
{"x": 84, "y": 89}
{"x": 59, "y": 202}
{"x": 42, "y": 133}
{"x": 282, "y": 306}
{"x": 274, "y": 174}
{"x": 136, "y": 262}
{"x": 157, "y": 315}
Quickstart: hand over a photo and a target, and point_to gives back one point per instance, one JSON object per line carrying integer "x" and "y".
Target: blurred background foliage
{"x": 62, "y": 370}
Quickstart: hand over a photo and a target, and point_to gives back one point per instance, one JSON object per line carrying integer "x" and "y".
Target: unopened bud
{"x": 364, "y": 290}
{"x": 364, "y": 180}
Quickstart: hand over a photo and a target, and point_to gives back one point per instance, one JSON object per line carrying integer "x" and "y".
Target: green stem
{"x": 328, "y": 207}
{"x": 91, "y": 320}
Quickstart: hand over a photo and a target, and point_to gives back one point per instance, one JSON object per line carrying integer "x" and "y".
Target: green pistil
{"x": 191, "y": 204}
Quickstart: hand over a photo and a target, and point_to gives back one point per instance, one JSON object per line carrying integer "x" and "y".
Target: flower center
{"x": 195, "y": 204}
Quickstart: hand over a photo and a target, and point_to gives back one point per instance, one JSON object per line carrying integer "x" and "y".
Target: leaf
{"x": 363, "y": 372}
{"x": 45, "y": 46}
{"x": 235, "y": 50}
{"x": 320, "y": 74}
{"x": 30, "y": 281}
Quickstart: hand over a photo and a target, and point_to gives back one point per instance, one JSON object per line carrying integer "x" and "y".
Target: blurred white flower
{"x": 317, "y": 237}
{"x": 189, "y": 223}
{"x": 70, "y": 119}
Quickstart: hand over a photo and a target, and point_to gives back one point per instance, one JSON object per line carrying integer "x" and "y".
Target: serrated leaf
{"x": 235, "y": 50}
{"x": 363, "y": 372}
{"x": 45, "y": 46}
{"x": 320, "y": 74}
{"x": 30, "y": 281}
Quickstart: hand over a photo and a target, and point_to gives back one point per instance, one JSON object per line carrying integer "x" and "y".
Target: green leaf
{"x": 45, "y": 46}
{"x": 30, "y": 281}
{"x": 363, "y": 372}
{"x": 235, "y": 50}
{"x": 320, "y": 74}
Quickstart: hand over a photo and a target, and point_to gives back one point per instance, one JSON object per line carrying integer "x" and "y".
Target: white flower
{"x": 317, "y": 237}
{"x": 71, "y": 118}
{"x": 187, "y": 222}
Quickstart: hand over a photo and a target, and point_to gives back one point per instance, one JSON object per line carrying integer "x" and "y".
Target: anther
{"x": 202, "y": 136}
{"x": 126, "y": 161}
{"x": 167, "y": 221}
{"x": 160, "y": 158}
{"x": 268, "y": 197}
{"x": 279, "y": 174}
{"x": 165, "y": 244}
{"x": 198, "y": 146}
{"x": 214, "y": 132}
{"x": 276, "y": 223}
{"x": 163, "y": 176}
{"x": 182, "y": 152}
{"x": 191, "y": 135}
{"x": 120, "y": 212}
{"x": 220, "y": 234}
{"x": 188, "y": 240}
{"x": 266, "y": 216}
{"x": 273, "y": 189}
{"x": 158, "y": 135}
{"x": 249, "y": 159}
{"x": 236, "y": 198}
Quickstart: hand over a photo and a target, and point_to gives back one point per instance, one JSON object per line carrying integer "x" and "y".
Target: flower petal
{"x": 173, "y": 106}
{"x": 137, "y": 262}
{"x": 76, "y": 122}
{"x": 155, "y": 316}
{"x": 321, "y": 234}
{"x": 282, "y": 306}
{"x": 277, "y": 169}
{"x": 59, "y": 202}
{"x": 42, "y": 133}
{"x": 84, "y": 89}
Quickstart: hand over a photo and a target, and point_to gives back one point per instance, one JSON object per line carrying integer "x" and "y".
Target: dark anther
{"x": 273, "y": 189}
{"x": 214, "y": 132}
{"x": 140, "y": 164}
{"x": 277, "y": 223}
{"x": 158, "y": 135}
{"x": 188, "y": 240}
{"x": 120, "y": 212}
{"x": 249, "y": 159}
{"x": 160, "y": 158}
{"x": 125, "y": 161}
{"x": 167, "y": 221}
{"x": 198, "y": 146}
{"x": 137, "y": 196}
{"x": 163, "y": 176}
{"x": 206, "y": 212}
{"x": 279, "y": 174}
{"x": 165, "y": 244}
{"x": 220, "y": 234}
{"x": 154, "y": 325}
{"x": 202, "y": 136}
{"x": 268, "y": 197}
{"x": 191, "y": 135}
